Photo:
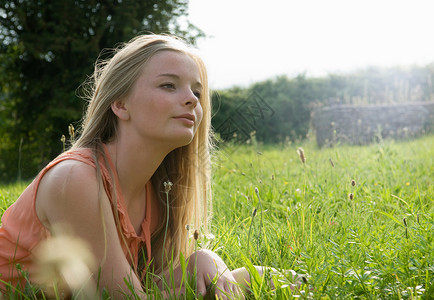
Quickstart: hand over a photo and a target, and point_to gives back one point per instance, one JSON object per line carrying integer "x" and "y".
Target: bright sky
{"x": 253, "y": 40}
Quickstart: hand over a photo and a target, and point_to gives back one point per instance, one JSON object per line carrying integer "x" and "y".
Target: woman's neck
{"x": 135, "y": 164}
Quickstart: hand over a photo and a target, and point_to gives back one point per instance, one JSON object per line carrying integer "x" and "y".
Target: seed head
{"x": 353, "y": 182}
{"x": 63, "y": 138}
{"x": 196, "y": 235}
{"x": 351, "y": 196}
{"x": 300, "y": 152}
{"x": 71, "y": 131}
{"x": 405, "y": 222}
{"x": 331, "y": 162}
{"x": 167, "y": 186}
{"x": 257, "y": 192}
{"x": 254, "y": 212}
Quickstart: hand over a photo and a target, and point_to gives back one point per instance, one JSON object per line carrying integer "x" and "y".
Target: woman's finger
{"x": 235, "y": 291}
{"x": 201, "y": 288}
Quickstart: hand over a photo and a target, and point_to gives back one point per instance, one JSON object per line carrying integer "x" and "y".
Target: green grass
{"x": 305, "y": 220}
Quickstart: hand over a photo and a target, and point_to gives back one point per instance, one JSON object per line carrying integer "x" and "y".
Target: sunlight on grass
{"x": 353, "y": 221}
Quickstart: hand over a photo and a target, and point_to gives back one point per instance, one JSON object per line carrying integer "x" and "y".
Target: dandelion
{"x": 353, "y": 182}
{"x": 300, "y": 152}
{"x": 65, "y": 263}
{"x": 167, "y": 186}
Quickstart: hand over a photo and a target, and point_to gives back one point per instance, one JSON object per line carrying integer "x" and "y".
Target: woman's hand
{"x": 213, "y": 276}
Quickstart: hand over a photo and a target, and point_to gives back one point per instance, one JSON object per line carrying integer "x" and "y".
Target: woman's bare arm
{"x": 68, "y": 195}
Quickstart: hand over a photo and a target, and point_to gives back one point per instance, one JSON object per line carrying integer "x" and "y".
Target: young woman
{"x": 144, "y": 142}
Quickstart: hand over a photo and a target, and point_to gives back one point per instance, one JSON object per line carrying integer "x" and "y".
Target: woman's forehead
{"x": 172, "y": 63}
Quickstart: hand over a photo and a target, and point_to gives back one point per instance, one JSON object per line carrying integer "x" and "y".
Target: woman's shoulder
{"x": 68, "y": 171}
{"x": 69, "y": 167}
{"x": 68, "y": 183}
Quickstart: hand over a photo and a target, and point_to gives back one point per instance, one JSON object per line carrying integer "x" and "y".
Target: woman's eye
{"x": 197, "y": 94}
{"x": 170, "y": 86}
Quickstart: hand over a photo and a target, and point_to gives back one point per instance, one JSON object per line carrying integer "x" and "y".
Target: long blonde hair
{"x": 187, "y": 167}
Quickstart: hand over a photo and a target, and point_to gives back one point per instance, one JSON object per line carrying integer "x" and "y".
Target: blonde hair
{"x": 187, "y": 167}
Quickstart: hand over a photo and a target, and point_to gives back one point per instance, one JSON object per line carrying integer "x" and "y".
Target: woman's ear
{"x": 120, "y": 110}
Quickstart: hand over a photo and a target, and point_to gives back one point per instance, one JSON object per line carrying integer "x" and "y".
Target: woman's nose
{"x": 191, "y": 99}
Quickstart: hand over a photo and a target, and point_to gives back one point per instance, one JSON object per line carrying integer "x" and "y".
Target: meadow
{"x": 357, "y": 222}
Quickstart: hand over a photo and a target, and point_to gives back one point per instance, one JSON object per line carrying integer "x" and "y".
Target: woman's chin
{"x": 183, "y": 140}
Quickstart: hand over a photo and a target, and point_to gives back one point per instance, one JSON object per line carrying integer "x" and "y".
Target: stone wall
{"x": 357, "y": 125}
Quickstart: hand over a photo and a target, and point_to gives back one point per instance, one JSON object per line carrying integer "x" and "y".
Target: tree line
{"x": 47, "y": 50}
{"x": 292, "y": 100}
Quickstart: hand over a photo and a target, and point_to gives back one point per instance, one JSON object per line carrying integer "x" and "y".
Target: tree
{"x": 47, "y": 49}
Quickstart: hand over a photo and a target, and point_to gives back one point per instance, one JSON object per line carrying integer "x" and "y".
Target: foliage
{"x": 293, "y": 99}
{"x": 47, "y": 48}
{"x": 375, "y": 244}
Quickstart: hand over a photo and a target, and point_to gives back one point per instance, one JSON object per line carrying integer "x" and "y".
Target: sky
{"x": 254, "y": 40}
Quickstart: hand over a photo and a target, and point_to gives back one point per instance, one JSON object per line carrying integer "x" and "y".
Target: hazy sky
{"x": 253, "y": 40}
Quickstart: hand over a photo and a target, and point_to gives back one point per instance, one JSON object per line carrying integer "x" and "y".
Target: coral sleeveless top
{"x": 22, "y": 231}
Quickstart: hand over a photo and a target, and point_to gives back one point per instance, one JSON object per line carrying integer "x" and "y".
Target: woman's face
{"x": 164, "y": 104}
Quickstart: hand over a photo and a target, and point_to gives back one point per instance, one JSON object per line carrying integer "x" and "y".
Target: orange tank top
{"x": 21, "y": 230}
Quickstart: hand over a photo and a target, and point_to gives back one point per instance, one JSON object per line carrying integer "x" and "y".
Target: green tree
{"x": 47, "y": 49}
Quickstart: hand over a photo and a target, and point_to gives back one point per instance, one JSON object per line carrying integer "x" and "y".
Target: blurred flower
{"x": 65, "y": 262}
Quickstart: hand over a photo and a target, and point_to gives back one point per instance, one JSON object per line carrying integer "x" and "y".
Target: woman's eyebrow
{"x": 168, "y": 75}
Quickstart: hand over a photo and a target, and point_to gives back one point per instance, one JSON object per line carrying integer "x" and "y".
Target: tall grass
{"x": 357, "y": 222}
{"x": 348, "y": 246}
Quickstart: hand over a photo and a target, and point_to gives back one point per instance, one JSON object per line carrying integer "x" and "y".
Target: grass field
{"x": 357, "y": 222}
